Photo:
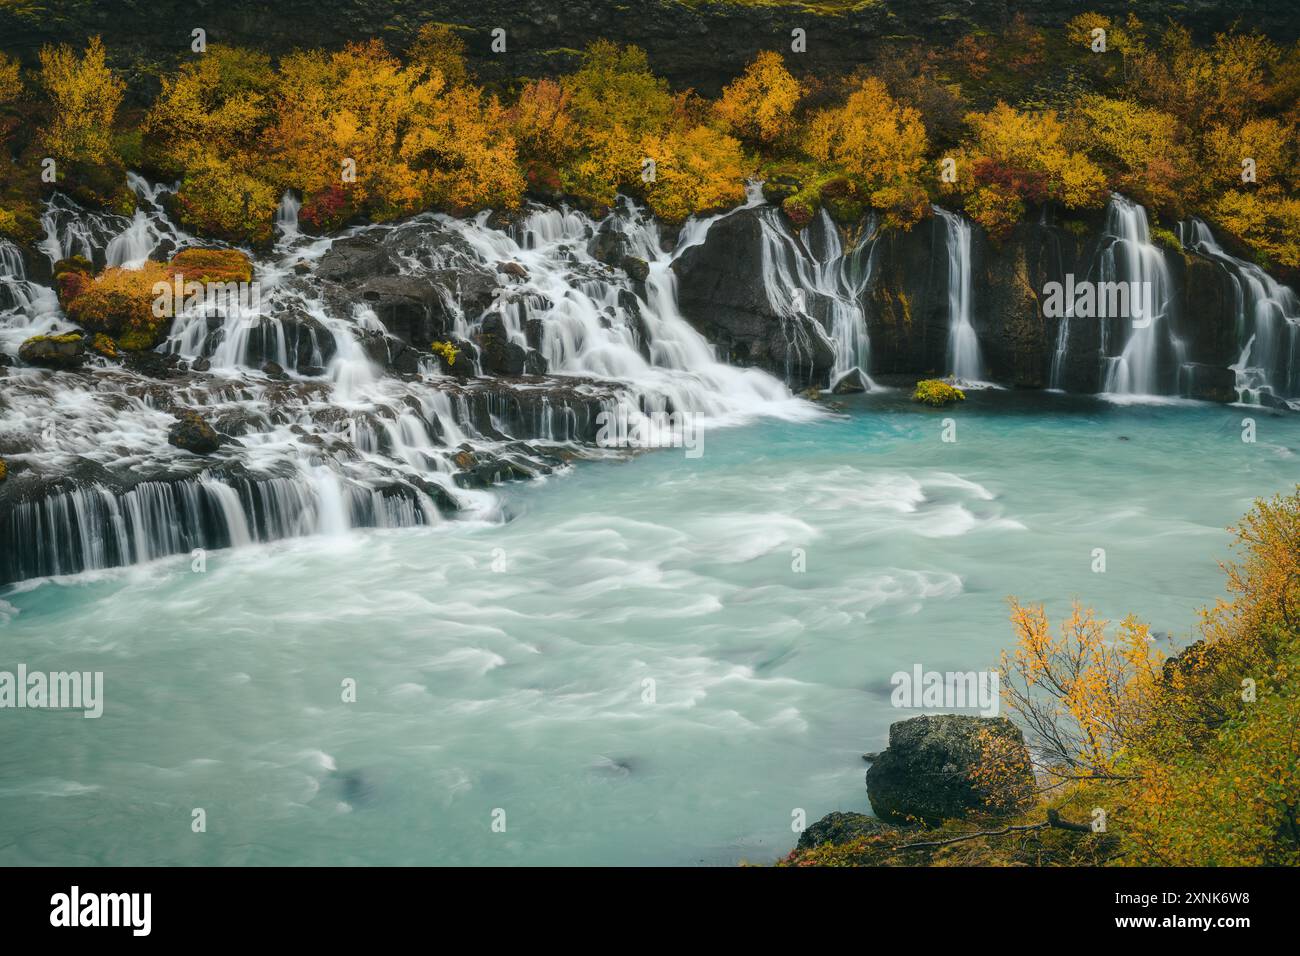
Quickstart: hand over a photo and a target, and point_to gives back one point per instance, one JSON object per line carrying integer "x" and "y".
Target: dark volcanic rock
{"x": 409, "y": 307}
{"x": 840, "y": 827}
{"x": 355, "y": 257}
{"x": 925, "y": 774}
{"x": 192, "y": 433}
{"x": 721, "y": 293}
{"x": 497, "y": 354}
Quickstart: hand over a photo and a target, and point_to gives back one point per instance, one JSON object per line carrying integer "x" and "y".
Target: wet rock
{"x": 54, "y": 351}
{"x": 354, "y": 258}
{"x": 307, "y": 343}
{"x": 273, "y": 370}
{"x": 851, "y": 383}
{"x": 409, "y": 307}
{"x": 513, "y": 269}
{"x": 497, "y": 354}
{"x": 161, "y": 365}
{"x": 722, "y": 294}
{"x": 193, "y": 434}
{"x": 201, "y": 365}
{"x": 926, "y": 774}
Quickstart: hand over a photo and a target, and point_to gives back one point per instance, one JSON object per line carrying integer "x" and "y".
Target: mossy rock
{"x": 843, "y": 201}
{"x": 119, "y": 303}
{"x": 799, "y": 211}
{"x": 212, "y": 265}
{"x": 780, "y": 187}
{"x": 4, "y": 470}
{"x": 64, "y": 351}
{"x": 193, "y": 434}
{"x": 98, "y": 185}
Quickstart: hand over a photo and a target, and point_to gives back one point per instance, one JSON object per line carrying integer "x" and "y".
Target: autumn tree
{"x": 879, "y": 144}
{"x": 1013, "y": 158}
{"x": 439, "y": 47}
{"x": 1143, "y": 149}
{"x": 11, "y": 80}
{"x": 84, "y": 97}
{"x": 759, "y": 106}
{"x": 697, "y": 170}
{"x": 616, "y": 104}
{"x": 216, "y": 104}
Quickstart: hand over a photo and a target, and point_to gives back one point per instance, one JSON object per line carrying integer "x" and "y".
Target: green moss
{"x": 1166, "y": 238}
{"x": 4, "y": 470}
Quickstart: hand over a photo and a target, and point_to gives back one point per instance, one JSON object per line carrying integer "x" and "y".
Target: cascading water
{"x": 813, "y": 275}
{"x": 1268, "y": 321}
{"x": 286, "y": 216}
{"x": 964, "y": 361}
{"x": 1127, "y": 255}
{"x": 336, "y": 440}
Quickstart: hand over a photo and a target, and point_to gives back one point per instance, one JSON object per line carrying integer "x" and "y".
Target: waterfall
{"x": 1268, "y": 321}
{"x": 813, "y": 276}
{"x": 286, "y": 215}
{"x": 338, "y": 441}
{"x": 1127, "y": 255}
{"x": 964, "y": 361}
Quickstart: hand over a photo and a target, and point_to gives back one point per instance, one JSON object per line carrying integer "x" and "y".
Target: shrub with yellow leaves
{"x": 759, "y": 106}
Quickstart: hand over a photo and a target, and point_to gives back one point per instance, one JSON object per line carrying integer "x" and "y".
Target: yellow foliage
{"x": 937, "y": 393}
{"x": 217, "y": 103}
{"x": 1143, "y": 148}
{"x": 879, "y": 144}
{"x": 410, "y": 139}
{"x": 759, "y": 106}
{"x": 543, "y": 126}
{"x": 696, "y": 171}
{"x": 440, "y": 48}
{"x": 84, "y": 97}
{"x": 11, "y": 80}
{"x": 1266, "y": 141}
{"x": 1268, "y": 222}
{"x": 1079, "y": 30}
{"x": 1015, "y": 157}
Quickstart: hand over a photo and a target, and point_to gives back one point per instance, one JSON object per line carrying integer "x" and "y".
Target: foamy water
{"x": 504, "y": 665}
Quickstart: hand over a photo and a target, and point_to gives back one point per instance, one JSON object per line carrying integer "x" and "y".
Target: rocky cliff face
{"x": 701, "y": 44}
{"x": 905, "y": 306}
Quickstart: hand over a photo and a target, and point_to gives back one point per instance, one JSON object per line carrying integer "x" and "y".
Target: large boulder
{"x": 409, "y": 307}
{"x": 722, "y": 293}
{"x": 928, "y": 772}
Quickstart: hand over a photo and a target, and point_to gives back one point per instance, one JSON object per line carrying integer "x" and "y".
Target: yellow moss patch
{"x": 937, "y": 393}
{"x": 446, "y": 351}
